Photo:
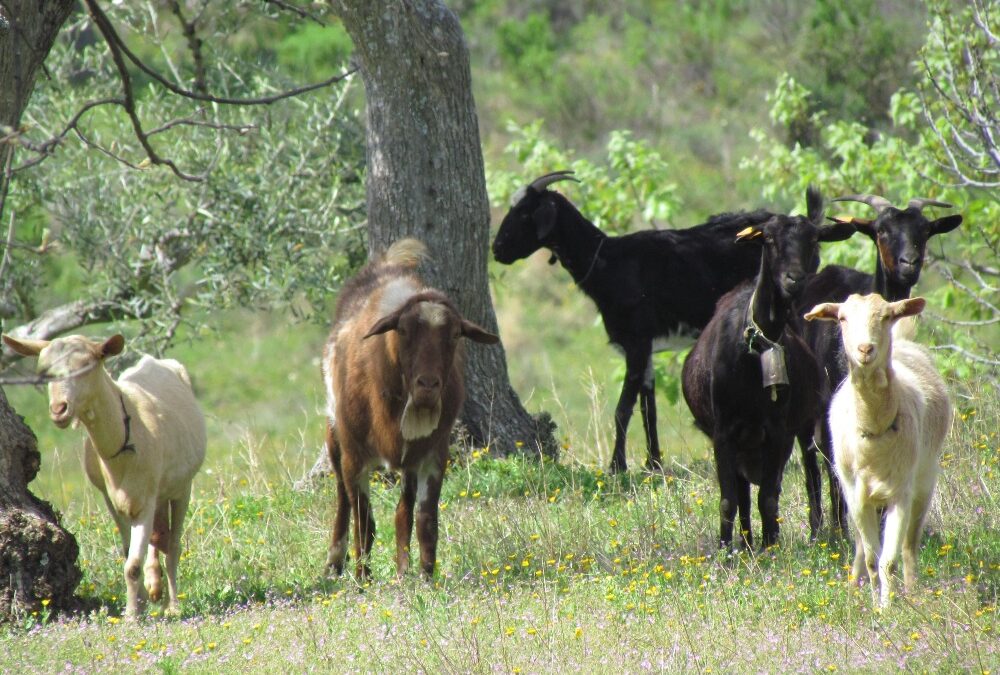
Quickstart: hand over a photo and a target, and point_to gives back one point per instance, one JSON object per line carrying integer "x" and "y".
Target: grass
{"x": 543, "y": 567}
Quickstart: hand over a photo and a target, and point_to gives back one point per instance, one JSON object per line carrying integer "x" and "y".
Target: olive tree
{"x": 209, "y": 181}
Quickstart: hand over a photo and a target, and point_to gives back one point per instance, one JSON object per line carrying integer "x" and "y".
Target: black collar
{"x": 892, "y": 427}
{"x": 126, "y": 445}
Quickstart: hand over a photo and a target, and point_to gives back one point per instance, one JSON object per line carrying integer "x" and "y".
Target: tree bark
{"x": 425, "y": 179}
{"x": 38, "y": 558}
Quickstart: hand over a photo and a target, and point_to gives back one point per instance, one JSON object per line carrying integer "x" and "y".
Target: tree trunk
{"x": 38, "y": 558}
{"x": 426, "y": 179}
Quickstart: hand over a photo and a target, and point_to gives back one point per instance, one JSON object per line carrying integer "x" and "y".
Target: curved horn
{"x": 921, "y": 203}
{"x": 880, "y": 204}
{"x": 548, "y": 179}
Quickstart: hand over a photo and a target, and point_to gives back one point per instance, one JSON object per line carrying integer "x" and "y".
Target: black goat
{"x": 647, "y": 285}
{"x": 900, "y": 237}
{"x": 751, "y": 383}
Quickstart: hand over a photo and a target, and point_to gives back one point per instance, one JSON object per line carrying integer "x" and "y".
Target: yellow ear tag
{"x": 842, "y": 219}
{"x": 747, "y": 233}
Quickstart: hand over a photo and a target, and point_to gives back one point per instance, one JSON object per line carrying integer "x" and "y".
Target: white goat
{"x": 889, "y": 420}
{"x": 145, "y": 442}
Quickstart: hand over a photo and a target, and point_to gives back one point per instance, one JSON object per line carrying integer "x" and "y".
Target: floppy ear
{"x": 907, "y": 307}
{"x": 544, "y": 218}
{"x": 112, "y": 346}
{"x": 748, "y": 233}
{"x": 836, "y": 231}
{"x": 827, "y": 311}
{"x": 25, "y": 347}
{"x": 946, "y": 224}
{"x": 478, "y": 334}
{"x": 385, "y": 324}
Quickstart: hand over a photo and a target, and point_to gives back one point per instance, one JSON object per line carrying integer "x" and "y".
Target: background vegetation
{"x": 668, "y": 112}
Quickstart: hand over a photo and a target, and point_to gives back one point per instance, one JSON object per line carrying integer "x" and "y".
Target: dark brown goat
{"x": 393, "y": 372}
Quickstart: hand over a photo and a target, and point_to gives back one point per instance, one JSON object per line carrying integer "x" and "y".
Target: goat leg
{"x": 647, "y": 407}
{"x": 428, "y": 495}
{"x": 623, "y": 411}
{"x": 814, "y": 483}
{"x": 404, "y": 521}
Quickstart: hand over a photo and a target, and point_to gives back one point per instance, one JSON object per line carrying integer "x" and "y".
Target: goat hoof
{"x": 172, "y": 611}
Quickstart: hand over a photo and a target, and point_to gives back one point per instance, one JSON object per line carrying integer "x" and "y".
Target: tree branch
{"x": 122, "y": 48}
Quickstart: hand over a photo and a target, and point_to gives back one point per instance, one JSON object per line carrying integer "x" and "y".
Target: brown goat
{"x": 393, "y": 372}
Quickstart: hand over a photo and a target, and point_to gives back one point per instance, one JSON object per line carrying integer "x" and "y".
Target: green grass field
{"x": 543, "y": 567}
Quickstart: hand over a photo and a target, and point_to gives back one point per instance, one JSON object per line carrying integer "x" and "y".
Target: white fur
{"x": 889, "y": 420}
{"x": 418, "y": 422}
{"x": 152, "y": 483}
{"x": 395, "y": 293}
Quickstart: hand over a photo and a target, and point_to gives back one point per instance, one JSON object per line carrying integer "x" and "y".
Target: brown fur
{"x": 395, "y": 388}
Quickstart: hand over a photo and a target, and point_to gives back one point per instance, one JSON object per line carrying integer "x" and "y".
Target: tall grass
{"x": 543, "y": 567}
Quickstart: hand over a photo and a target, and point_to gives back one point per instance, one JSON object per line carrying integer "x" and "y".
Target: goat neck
{"x": 875, "y": 395}
{"x": 884, "y": 286}
{"x": 104, "y": 418}
{"x": 768, "y": 310}
{"x": 578, "y": 247}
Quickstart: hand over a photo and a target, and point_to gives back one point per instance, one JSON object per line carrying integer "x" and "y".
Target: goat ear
{"x": 836, "y": 231}
{"x": 478, "y": 334}
{"x": 907, "y": 307}
{"x": 827, "y": 311}
{"x": 25, "y": 347}
{"x": 862, "y": 225}
{"x": 544, "y": 218}
{"x": 814, "y": 205}
{"x": 946, "y": 224}
{"x": 748, "y": 233}
{"x": 383, "y": 325}
{"x": 113, "y": 346}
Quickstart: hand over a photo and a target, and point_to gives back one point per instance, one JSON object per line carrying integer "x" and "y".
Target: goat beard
{"x": 419, "y": 422}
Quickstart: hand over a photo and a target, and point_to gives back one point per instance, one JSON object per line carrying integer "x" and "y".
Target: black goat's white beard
{"x": 419, "y": 422}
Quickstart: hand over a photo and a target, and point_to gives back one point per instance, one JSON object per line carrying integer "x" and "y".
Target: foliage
{"x": 276, "y": 223}
{"x": 630, "y": 190}
{"x": 688, "y": 78}
{"x": 910, "y": 160}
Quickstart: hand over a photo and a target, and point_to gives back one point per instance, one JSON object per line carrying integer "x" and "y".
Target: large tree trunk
{"x": 37, "y": 556}
{"x": 426, "y": 179}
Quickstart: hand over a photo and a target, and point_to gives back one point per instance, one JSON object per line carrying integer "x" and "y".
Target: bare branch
{"x": 122, "y": 48}
{"x": 303, "y": 14}
{"x": 967, "y": 354}
{"x": 128, "y": 103}
{"x": 194, "y": 44}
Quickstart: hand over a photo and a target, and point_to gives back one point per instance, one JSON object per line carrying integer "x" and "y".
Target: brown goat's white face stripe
{"x": 433, "y": 313}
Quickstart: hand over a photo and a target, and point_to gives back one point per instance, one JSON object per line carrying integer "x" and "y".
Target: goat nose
{"x": 58, "y": 408}
{"x": 866, "y": 348}
{"x": 428, "y": 381}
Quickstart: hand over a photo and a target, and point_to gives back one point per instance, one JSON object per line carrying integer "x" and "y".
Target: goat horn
{"x": 548, "y": 179}
{"x": 880, "y": 204}
{"x": 921, "y": 203}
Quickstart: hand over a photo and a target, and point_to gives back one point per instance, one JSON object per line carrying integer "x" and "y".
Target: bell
{"x": 772, "y": 366}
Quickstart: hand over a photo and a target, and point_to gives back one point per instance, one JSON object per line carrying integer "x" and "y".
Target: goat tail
{"x": 407, "y": 252}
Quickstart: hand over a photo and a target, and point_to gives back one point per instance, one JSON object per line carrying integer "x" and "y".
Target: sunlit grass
{"x": 543, "y": 566}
